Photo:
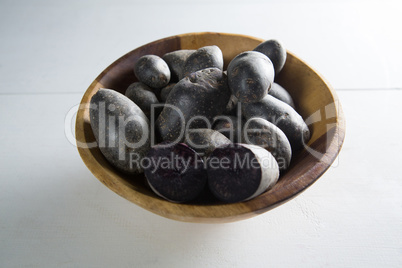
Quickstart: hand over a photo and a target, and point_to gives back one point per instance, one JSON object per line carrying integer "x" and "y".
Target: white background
{"x": 55, "y": 213}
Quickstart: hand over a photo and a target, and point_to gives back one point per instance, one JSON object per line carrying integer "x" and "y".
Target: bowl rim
{"x": 193, "y": 212}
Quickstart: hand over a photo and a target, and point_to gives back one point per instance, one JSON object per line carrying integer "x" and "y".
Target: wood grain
{"x": 314, "y": 98}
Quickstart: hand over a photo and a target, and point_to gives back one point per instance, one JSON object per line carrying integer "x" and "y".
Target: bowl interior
{"x": 315, "y": 100}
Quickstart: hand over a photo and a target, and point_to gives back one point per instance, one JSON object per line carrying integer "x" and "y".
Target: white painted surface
{"x": 54, "y": 212}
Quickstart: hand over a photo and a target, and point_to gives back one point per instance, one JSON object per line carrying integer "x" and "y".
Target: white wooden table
{"x": 55, "y": 213}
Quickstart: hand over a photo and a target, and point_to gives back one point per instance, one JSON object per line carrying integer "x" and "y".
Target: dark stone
{"x": 250, "y": 76}
{"x": 120, "y": 128}
{"x": 204, "y": 141}
{"x": 205, "y": 57}
{"x": 152, "y": 71}
{"x": 176, "y": 60}
{"x": 275, "y": 51}
{"x": 144, "y": 97}
{"x": 175, "y": 172}
{"x": 263, "y": 133}
{"x": 239, "y": 172}
{"x": 283, "y": 116}
{"x": 204, "y": 94}
{"x": 282, "y": 94}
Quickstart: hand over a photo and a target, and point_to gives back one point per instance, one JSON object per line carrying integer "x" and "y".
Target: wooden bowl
{"x": 315, "y": 100}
